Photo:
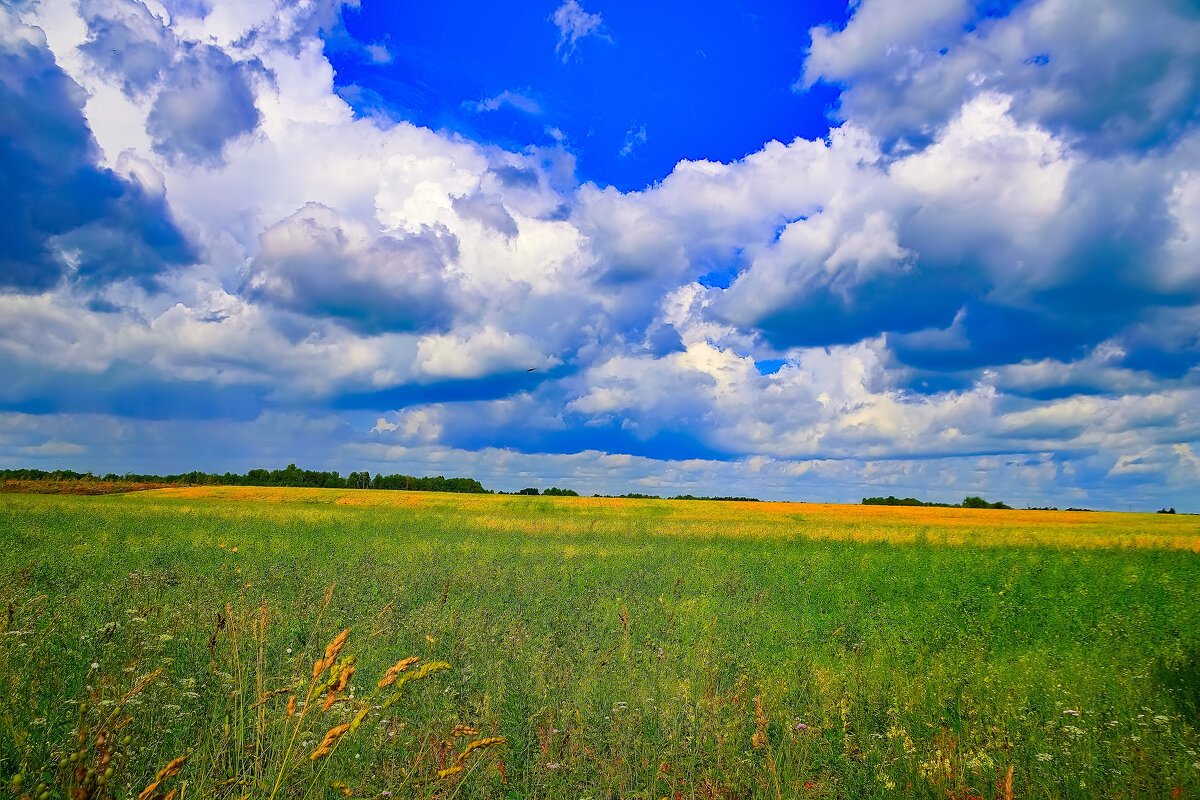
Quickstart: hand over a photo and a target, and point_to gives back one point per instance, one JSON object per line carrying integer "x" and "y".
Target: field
{"x": 165, "y": 641}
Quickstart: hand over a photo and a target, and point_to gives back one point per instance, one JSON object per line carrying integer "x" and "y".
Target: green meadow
{"x": 173, "y": 644}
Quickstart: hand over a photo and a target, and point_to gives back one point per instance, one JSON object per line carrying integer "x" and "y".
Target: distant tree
{"x": 528, "y": 490}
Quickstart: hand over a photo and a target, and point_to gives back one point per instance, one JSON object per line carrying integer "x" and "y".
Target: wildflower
{"x": 95, "y": 665}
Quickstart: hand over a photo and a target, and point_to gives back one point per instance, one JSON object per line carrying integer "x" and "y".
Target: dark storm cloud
{"x": 205, "y": 102}
{"x": 53, "y": 195}
{"x": 318, "y": 263}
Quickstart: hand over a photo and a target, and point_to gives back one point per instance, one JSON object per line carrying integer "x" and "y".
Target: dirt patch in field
{"x": 78, "y": 487}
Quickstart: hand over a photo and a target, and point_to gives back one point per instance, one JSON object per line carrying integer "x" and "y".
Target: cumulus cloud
{"x": 1131, "y": 77}
{"x": 63, "y": 213}
{"x": 321, "y": 263}
{"x": 205, "y": 102}
{"x": 486, "y": 351}
{"x": 995, "y": 243}
{"x": 128, "y": 42}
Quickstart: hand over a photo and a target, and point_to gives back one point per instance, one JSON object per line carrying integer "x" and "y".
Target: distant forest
{"x": 292, "y": 476}
{"x": 969, "y": 502}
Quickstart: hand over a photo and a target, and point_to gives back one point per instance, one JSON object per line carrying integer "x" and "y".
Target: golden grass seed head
{"x": 394, "y": 671}
{"x": 759, "y": 739}
{"x": 169, "y": 771}
{"x": 333, "y": 648}
{"x": 331, "y": 738}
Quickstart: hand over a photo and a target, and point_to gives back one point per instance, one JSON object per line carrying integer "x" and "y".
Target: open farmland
{"x": 621, "y": 648}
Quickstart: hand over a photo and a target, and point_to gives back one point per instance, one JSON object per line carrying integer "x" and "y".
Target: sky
{"x": 795, "y": 251}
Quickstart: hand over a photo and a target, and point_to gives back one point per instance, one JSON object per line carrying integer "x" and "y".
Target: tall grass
{"x": 619, "y": 649}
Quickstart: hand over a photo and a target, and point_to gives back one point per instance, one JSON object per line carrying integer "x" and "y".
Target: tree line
{"x": 292, "y": 476}
{"x": 968, "y": 502}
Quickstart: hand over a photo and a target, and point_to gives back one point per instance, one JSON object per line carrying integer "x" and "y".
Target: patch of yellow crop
{"x": 897, "y": 525}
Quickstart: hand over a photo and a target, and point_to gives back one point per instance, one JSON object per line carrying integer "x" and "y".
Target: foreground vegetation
{"x": 183, "y": 640}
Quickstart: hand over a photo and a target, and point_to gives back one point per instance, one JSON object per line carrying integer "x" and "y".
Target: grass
{"x": 619, "y": 648}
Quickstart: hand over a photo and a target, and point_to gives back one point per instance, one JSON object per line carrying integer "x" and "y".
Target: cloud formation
{"x": 982, "y": 280}
{"x": 319, "y": 263}
{"x": 64, "y": 214}
{"x": 1131, "y": 79}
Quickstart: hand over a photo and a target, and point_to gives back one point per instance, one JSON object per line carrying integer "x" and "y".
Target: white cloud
{"x": 574, "y": 24}
{"x": 633, "y": 137}
{"x": 383, "y": 426}
{"x": 1187, "y": 458}
{"x": 518, "y": 100}
{"x": 1130, "y": 77}
{"x": 53, "y": 448}
{"x": 487, "y": 351}
{"x": 379, "y": 54}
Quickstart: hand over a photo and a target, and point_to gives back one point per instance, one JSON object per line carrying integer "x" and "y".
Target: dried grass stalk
{"x": 169, "y": 771}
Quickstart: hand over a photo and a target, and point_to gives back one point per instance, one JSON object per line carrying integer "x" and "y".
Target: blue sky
{"x": 794, "y": 251}
{"x": 631, "y": 91}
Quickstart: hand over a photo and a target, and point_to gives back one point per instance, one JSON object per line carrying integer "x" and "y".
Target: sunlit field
{"x": 186, "y": 641}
